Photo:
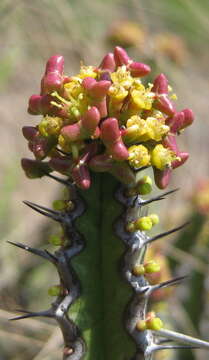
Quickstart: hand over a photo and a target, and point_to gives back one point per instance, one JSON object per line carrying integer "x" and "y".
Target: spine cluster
{"x": 140, "y": 323}
{"x": 69, "y": 289}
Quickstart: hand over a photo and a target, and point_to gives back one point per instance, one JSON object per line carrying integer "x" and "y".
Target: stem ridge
{"x": 74, "y": 344}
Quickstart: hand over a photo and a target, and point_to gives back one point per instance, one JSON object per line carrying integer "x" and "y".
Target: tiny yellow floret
{"x": 50, "y": 125}
{"x": 162, "y": 157}
{"x": 138, "y": 156}
{"x": 142, "y": 98}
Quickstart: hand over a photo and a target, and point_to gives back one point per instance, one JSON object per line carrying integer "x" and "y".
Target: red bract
{"x": 138, "y": 69}
{"x": 84, "y": 128}
{"x": 108, "y": 62}
{"x": 164, "y": 104}
{"x": 110, "y": 135}
{"x": 80, "y": 172}
{"x": 162, "y": 101}
{"x": 101, "y": 163}
{"x": 81, "y": 176}
{"x": 35, "y": 168}
{"x": 160, "y": 85}
{"x": 96, "y": 89}
{"x": 121, "y": 57}
{"x": 61, "y": 164}
{"x": 29, "y": 132}
{"x": 42, "y": 105}
{"x": 53, "y": 77}
{"x": 41, "y": 146}
{"x": 183, "y": 156}
{"x": 120, "y": 170}
{"x": 162, "y": 177}
{"x": 180, "y": 120}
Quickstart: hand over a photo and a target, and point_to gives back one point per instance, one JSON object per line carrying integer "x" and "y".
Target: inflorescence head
{"x": 105, "y": 119}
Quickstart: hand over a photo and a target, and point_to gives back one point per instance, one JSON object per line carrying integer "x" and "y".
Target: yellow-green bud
{"x": 59, "y": 205}
{"x": 138, "y": 270}
{"x": 56, "y": 240}
{"x": 70, "y": 205}
{"x": 130, "y": 227}
{"x": 75, "y": 112}
{"x": 144, "y": 223}
{"x": 154, "y": 324}
{"x": 154, "y": 218}
{"x": 50, "y": 126}
{"x": 144, "y": 185}
{"x": 55, "y": 290}
{"x": 141, "y": 325}
{"x": 151, "y": 267}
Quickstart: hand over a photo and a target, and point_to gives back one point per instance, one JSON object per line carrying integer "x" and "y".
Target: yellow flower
{"x": 153, "y": 128}
{"x": 141, "y": 97}
{"x": 70, "y": 147}
{"x": 138, "y": 156}
{"x": 117, "y": 93}
{"x": 87, "y": 71}
{"x": 122, "y": 77}
{"x": 162, "y": 157}
{"x": 78, "y": 100}
{"x": 156, "y": 128}
{"x": 121, "y": 83}
{"x": 50, "y": 125}
{"x": 136, "y": 129}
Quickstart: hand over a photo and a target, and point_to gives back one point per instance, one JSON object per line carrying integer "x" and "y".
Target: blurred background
{"x": 171, "y": 36}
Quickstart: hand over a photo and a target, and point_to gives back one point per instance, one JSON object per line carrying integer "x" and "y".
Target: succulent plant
{"x": 101, "y": 129}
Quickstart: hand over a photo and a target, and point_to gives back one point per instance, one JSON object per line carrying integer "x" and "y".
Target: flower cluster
{"x": 105, "y": 119}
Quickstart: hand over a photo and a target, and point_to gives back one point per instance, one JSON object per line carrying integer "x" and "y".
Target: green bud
{"x": 141, "y": 325}
{"x": 50, "y": 125}
{"x": 56, "y": 240}
{"x": 144, "y": 223}
{"x": 151, "y": 267}
{"x": 144, "y": 185}
{"x": 154, "y": 218}
{"x": 130, "y": 227}
{"x": 75, "y": 112}
{"x": 154, "y": 324}
{"x": 138, "y": 270}
{"x": 55, "y": 290}
{"x": 59, "y": 205}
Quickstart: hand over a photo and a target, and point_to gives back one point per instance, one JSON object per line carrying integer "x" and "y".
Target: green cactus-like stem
{"x": 104, "y": 295}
